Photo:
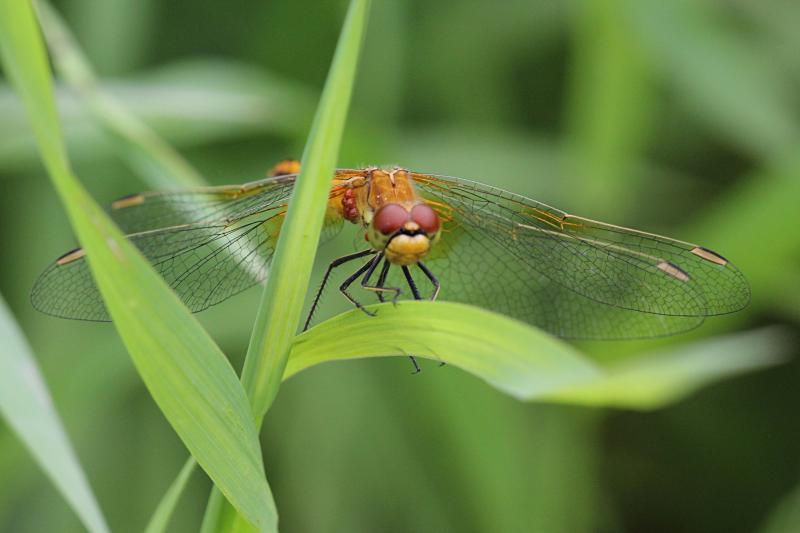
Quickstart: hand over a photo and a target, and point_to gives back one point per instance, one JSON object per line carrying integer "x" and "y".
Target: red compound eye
{"x": 426, "y": 218}
{"x": 390, "y": 218}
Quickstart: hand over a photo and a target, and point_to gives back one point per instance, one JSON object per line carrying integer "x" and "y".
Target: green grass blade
{"x": 290, "y": 272}
{"x": 190, "y": 379}
{"x": 284, "y": 294}
{"x": 26, "y": 405}
{"x": 220, "y": 516}
{"x": 154, "y": 159}
{"x": 520, "y": 360}
{"x": 160, "y": 519}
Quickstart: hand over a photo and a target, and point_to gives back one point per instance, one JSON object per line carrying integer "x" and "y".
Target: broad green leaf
{"x": 518, "y": 359}
{"x": 26, "y": 405}
{"x": 189, "y": 377}
{"x": 525, "y": 362}
{"x": 529, "y": 364}
{"x": 652, "y": 380}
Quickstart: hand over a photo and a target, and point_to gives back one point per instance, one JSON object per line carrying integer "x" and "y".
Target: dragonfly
{"x": 427, "y": 237}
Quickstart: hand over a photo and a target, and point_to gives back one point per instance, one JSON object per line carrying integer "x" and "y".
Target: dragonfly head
{"x": 405, "y": 235}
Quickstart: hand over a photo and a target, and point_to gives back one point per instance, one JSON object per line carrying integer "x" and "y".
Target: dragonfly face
{"x": 397, "y": 221}
{"x": 572, "y": 276}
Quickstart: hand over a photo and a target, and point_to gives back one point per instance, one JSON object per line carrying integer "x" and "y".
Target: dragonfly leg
{"x": 382, "y": 279}
{"x": 335, "y": 263}
{"x": 413, "y": 286}
{"x": 434, "y": 280}
{"x": 417, "y": 369}
{"x": 411, "y": 283}
{"x": 368, "y": 267}
{"x": 379, "y": 287}
{"x": 436, "y": 286}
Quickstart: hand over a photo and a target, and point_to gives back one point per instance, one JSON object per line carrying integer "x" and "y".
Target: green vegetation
{"x": 677, "y": 118}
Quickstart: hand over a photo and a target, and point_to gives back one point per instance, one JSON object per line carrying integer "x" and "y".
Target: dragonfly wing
{"x": 476, "y": 269}
{"x": 161, "y": 209}
{"x": 67, "y": 290}
{"x": 204, "y": 263}
{"x": 607, "y": 264}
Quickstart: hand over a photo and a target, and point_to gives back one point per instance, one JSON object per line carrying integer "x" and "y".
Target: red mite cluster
{"x": 349, "y": 208}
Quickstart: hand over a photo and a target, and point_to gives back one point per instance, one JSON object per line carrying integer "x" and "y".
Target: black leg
{"x": 411, "y": 283}
{"x": 417, "y": 369}
{"x": 436, "y": 286}
{"x": 369, "y": 268}
{"x": 335, "y": 263}
{"x": 378, "y": 287}
{"x": 382, "y": 278}
{"x": 434, "y": 281}
{"x": 413, "y": 286}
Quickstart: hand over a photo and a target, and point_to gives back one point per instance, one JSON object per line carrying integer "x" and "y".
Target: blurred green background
{"x": 677, "y": 117}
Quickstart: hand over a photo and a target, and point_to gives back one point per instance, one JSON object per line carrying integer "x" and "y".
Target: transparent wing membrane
{"x": 215, "y": 249}
{"x": 161, "y": 209}
{"x": 574, "y": 277}
{"x": 484, "y": 272}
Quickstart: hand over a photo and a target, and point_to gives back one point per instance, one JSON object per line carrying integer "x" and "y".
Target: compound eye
{"x": 390, "y": 218}
{"x": 426, "y": 218}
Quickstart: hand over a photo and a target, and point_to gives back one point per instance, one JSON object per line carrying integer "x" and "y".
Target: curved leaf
{"x": 520, "y": 360}
{"x": 652, "y": 380}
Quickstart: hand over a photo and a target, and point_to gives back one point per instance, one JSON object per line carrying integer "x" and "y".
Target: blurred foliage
{"x": 677, "y": 117}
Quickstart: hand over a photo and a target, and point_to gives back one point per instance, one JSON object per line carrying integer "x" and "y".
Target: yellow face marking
{"x": 128, "y": 201}
{"x": 407, "y": 249}
{"x": 69, "y": 257}
{"x": 708, "y": 255}
{"x": 673, "y": 271}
